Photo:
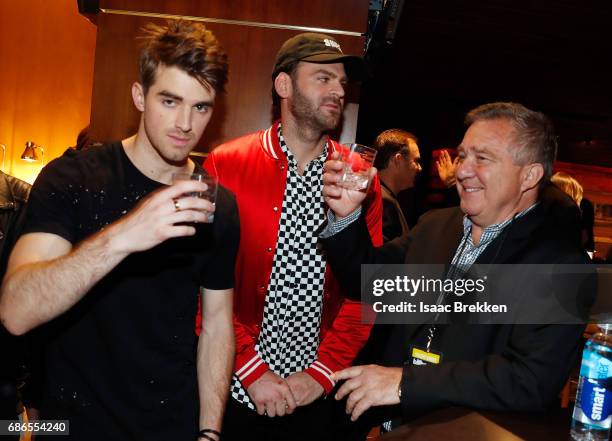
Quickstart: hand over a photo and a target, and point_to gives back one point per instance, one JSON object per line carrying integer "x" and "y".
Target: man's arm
{"x": 527, "y": 376}
{"x": 359, "y": 242}
{"x": 46, "y": 275}
{"x": 215, "y": 356}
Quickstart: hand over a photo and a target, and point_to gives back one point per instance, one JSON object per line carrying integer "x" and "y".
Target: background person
{"x": 398, "y": 162}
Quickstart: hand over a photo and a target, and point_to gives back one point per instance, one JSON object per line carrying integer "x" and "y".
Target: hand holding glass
{"x": 210, "y": 194}
{"x": 358, "y": 160}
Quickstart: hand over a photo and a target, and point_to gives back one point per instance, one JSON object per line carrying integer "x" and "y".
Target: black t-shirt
{"x": 121, "y": 364}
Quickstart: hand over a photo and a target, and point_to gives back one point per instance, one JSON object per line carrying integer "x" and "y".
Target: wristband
{"x": 204, "y": 434}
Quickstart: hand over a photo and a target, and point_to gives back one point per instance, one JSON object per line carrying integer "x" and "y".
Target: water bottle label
{"x": 596, "y": 402}
{"x": 594, "y": 365}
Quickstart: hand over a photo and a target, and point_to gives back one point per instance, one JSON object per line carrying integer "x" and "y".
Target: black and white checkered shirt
{"x": 289, "y": 338}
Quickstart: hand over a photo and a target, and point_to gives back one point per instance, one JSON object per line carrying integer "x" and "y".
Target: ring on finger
{"x": 177, "y": 205}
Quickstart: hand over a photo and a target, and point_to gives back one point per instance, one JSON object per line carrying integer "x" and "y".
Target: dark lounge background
{"x": 450, "y": 56}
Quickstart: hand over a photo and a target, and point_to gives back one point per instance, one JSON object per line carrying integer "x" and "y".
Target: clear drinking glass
{"x": 358, "y": 160}
{"x": 209, "y": 194}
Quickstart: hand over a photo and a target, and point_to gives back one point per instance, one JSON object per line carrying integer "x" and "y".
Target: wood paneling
{"x": 244, "y": 108}
{"x": 46, "y": 53}
{"x": 347, "y": 15}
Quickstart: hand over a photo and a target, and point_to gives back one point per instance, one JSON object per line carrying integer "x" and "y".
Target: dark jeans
{"x": 308, "y": 423}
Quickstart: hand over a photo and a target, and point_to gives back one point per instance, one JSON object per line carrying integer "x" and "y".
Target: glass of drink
{"x": 358, "y": 160}
{"x": 209, "y": 194}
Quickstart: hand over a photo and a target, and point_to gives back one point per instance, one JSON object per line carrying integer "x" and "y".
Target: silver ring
{"x": 177, "y": 206}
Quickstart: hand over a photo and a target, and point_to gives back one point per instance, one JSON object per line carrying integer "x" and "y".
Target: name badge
{"x": 422, "y": 357}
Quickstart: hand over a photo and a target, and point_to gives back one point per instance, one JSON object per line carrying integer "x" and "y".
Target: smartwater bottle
{"x": 592, "y": 412}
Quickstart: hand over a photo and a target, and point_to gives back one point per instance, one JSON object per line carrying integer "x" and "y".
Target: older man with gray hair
{"x": 506, "y": 156}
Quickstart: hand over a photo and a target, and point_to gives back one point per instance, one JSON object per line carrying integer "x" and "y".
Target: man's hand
{"x": 342, "y": 201}
{"x": 446, "y": 168}
{"x": 160, "y": 216}
{"x": 67, "y": 273}
{"x": 272, "y": 395}
{"x": 305, "y": 389}
{"x": 368, "y": 386}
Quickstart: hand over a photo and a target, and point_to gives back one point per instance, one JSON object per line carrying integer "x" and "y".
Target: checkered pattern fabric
{"x": 464, "y": 257}
{"x": 335, "y": 225}
{"x": 289, "y": 338}
{"x": 467, "y": 252}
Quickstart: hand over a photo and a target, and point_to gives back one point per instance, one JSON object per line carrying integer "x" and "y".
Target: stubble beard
{"x": 166, "y": 152}
{"x": 307, "y": 113}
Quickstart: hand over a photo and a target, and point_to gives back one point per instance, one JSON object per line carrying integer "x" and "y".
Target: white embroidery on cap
{"x": 332, "y": 43}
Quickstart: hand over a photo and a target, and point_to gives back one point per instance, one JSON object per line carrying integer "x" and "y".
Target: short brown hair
{"x": 289, "y": 69}
{"x": 390, "y": 142}
{"x": 186, "y": 45}
{"x": 535, "y": 133}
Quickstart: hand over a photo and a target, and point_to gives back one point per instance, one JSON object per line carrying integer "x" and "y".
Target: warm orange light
{"x": 29, "y": 154}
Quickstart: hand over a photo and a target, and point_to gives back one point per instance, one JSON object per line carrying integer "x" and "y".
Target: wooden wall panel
{"x": 346, "y": 15}
{"x": 246, "y": 106}
{"x": 46, "y": 52}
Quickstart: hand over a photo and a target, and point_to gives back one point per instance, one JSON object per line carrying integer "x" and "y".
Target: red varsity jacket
{"x": 254, "y": 168}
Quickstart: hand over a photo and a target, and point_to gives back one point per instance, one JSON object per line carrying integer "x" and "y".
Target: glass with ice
{"x": 358, "y": 159}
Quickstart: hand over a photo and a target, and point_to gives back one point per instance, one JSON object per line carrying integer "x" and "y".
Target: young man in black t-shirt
{"x": 112, "y": 258}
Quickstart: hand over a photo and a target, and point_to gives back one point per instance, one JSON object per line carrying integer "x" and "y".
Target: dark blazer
{"x": 496, "y": 367}
{"x": 394, "y": 222}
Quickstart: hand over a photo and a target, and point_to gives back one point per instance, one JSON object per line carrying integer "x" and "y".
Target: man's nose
{"x": 464, "y": 169}
{"x": 338, "y": 89}
{"x": 183, "y": 119}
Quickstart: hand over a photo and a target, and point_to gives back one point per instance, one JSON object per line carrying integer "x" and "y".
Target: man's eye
{"x": 324, "y": 79}
{"x": 169, "y": 102}
{"x": 202, "y": 108}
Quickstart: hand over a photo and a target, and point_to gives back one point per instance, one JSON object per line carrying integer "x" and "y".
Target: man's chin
{"x": 177, "y": 158}
{"x": 469, "y": 209}
{"x": 332, "y": 123}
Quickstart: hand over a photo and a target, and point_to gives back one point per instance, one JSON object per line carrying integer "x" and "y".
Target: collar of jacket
{"x": 271, "y": 144}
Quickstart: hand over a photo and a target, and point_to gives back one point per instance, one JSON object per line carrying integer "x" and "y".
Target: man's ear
{"x": 138, "y": 96}
{"x": 532, "y": 174}
{"x": 283, "y": 85}
{"x": 396, "y": 158}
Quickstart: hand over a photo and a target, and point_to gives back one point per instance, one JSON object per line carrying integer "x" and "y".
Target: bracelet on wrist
{"x": 204, "y": 433}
